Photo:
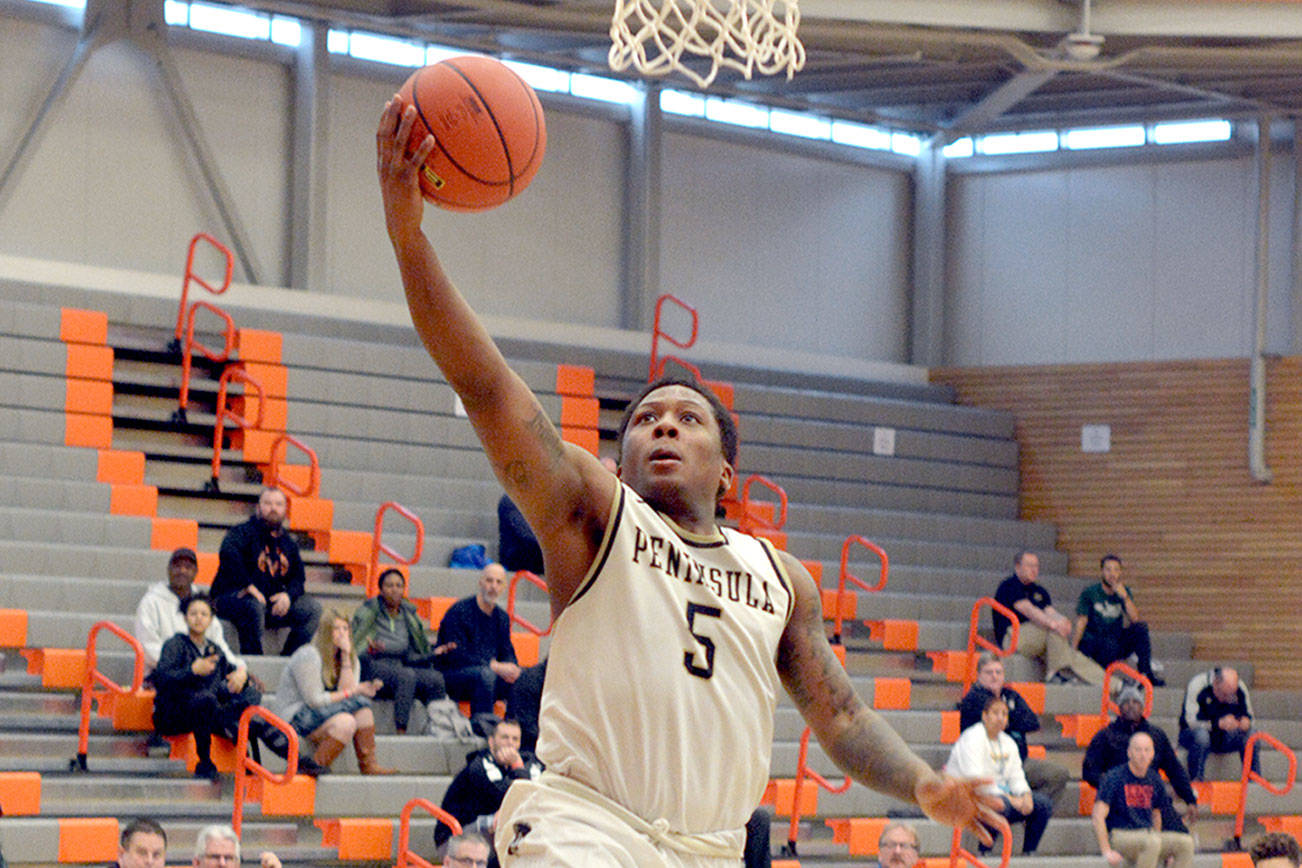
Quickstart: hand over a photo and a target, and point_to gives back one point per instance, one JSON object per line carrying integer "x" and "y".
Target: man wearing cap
{"x": 1107, "y": 750}
{"x": 159, "y": 618}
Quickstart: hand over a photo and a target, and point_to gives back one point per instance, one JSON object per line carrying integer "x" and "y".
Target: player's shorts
{"x": 555, "y": 821}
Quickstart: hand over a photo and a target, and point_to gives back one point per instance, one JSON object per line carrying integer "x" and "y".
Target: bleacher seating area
{"x": 102, "y": 481}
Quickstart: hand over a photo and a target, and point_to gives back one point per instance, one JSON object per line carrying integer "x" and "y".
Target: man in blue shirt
{"x": 479, "y": 665}
{"x": 1128, "y": 813}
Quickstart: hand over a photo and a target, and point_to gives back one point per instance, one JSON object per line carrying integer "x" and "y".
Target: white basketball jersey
{"x": 662, "y": 675}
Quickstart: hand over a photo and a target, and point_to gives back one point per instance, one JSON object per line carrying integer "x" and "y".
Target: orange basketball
{"x": 489, "y": 129}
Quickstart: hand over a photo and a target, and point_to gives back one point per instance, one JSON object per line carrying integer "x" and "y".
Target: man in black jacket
{"x": 480, "y": 664}
{"x": 476, "y": 792}
{"x": 1107, "y": 750}
{"x": 260, "y": 579}
{"x": 1043, "y": 776}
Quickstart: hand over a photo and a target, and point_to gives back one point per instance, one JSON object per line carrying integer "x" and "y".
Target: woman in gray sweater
{"x": 322, "y": 696}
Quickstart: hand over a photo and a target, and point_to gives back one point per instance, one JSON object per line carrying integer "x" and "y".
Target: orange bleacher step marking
{"x": 780, "y": 793}
{"x": 526, "y": 647}
{"x": 892, "y": 693}
{"x": 438, "y": 607}
{"x": 348, "y": 546}
{"x": 121, "y": 467}
{"x": 860, "y": 834}
{"x": 1236, "y": 860}
{"x": 256, "y": 345}
{"x": 58, "y": 667}
{"x": 785, "y": 863}
{"x": 839, "y": 650}
{"x": 88, "y": 430}
{"x": 1080, "y": 727}
{"x": 173, "y": 533}
{"x": 777, "y": 537}
{"x": 254, "y": 445}
{"x": 88, "y": 839}
{"x": 587, "y": 439}
{"x": 1217, "y": 797}
{"x": 133, "y": 500}
{"x": 13, "y": 628}
{"x": 275, "y": 415}
{"x": 953, "y": 663}
{"x": 1037, "y": 751}
{"x": 1291, "y": 824}
{"x": 89, "y": 362}
{"x": 1032, "y": 692}
{"x": 273, "y": 377}
{"x": 575, "y": 380}
{"x": 949, "y": 727}
{"x": 895, "y": 635}
{"x": 358, "y": 837}
{"x": 88, "y": 396}
{"x": 77, "y": 326}
{"x": 294, "y": 798}
{"x": 133, "y": 712}
{"x": 208, "y": 563}
{"x": 1086, "y": 804}
{"x": 579, "y": 412}
{"x": 20, "y": 794}
{"x": 310, "y": 513}
{"x": 849, "y": 604}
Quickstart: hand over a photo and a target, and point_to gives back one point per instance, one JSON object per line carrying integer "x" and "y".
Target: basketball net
{"x": 657, "y": 37}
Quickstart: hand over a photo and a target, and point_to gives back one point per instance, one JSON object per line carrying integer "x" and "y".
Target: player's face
{"x": 1140, "y": 753}
{"x": 991, "y": 677}
{"x": 272, "y": 507}
{"x": 143, "y": 850}
{"x": 1029, "y": 569}
{"x": 672, "y": 452}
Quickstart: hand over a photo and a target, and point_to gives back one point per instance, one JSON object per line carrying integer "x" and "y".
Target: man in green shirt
{"x": 1108, "y": 626}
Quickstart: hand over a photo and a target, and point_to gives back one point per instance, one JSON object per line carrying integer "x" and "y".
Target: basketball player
{"x": 671, "y": 634}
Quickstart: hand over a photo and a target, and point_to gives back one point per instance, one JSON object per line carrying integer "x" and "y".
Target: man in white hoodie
{"x": 159, "y": 618}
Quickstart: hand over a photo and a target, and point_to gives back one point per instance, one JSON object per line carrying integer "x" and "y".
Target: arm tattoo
{"x": 542, "y": 429}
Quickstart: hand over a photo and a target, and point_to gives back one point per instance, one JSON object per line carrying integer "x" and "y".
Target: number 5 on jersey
{"x": 706, "y": 643}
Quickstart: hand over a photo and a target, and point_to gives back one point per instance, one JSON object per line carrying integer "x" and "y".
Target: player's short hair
{"x": 1274, "y": 845}
{"x": 727, "y": 427}
{"x": 142, "y": 826}
{"x": 1108, "y": 557}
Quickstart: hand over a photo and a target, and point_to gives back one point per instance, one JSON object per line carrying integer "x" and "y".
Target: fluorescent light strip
{"x": 229, "y": 21}
{"x": 1017, "y": 143}
{"x": 680, "y": 102}
{"x": 958, "y": 149}
{"x": 739, "y": 114}
{"x": 1184, "y": 132}
{"x": 1103, "y": 137}
{"x": 385, "y": 49}
{"x": 799, "y": 124}
{"x": 604, "y": 89}
{"x": 541, "y": 77}
{"x": 861, "y": 136}
{"x": 176, "y": 13}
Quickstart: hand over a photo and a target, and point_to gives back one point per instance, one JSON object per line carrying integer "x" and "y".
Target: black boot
{"x": 278, "y": 744}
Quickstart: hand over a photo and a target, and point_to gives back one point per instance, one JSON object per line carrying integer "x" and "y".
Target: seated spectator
{"x": 143, "y": 845}
{"x": 1216, "y": 718}
{"x": 517, "y": 547}
{"x": 1275, "y": 850}
{"x": 217, "y": 845}
{"x": 897, "y": 847}
{"x": 1108, "y": 627}
{"x": 985, "y": 750}
{"x": 1044, "y": 633}
{"x": 323, "y": 697}
{"x": 1108, "y": 749}
{"x": 469, "y": 851}
{"x": 1128, "y": 813}
{"x": 525, "y": 701}
{"x": 260, "y": 579}
{"x": 477, "y": 791}
{"x": 1044, "y": 776}
{"x": 479, "y": 665}
{"x": 395, "y": 651}
{"x": 158, "y": 615}
{"x": 199, "y": 691}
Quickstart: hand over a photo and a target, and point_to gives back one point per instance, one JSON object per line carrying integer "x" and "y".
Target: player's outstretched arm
{"x": 857, "y": 738}
{"x": 563, "y": 491}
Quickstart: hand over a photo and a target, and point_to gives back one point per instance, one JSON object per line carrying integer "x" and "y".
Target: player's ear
{"x": 726, "y": 473}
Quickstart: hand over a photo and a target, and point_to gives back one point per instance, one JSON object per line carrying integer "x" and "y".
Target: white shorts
{"x": 541, "y": 826}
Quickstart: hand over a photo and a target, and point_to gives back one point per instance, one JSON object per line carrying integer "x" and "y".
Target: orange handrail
{"x": 957, "y": 852}
{"x": 653, "y": 369}
{"x": 405, "y": 855}
{"x": 191, "y": 276}
{"x": 278, "y": 450}
{"x": 749, "y": 523}
{"x": 188, "y": 348}
{"x": 224, "y": 413}
{"x": 804, "y": 771}
{"x": 1250, "y": 776}
{"x": 1106, "y": 704}
{"x": 975, "y": 639}
{"x": 94, "y": 678}
{"x": 245, "y": 763}
{"x": 847, "y": 576}
{"x": 377, "y": 544}
{"x": 510, "y": 602}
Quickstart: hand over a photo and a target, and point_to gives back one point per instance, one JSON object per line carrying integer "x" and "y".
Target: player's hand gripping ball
{"x": 488, "y": 127}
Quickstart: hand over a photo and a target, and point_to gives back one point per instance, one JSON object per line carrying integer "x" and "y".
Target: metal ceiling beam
{"x": 998, "y": 101}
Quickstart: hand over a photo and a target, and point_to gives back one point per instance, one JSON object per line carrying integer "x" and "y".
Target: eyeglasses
{"x": 897, "y": 845}
{"x": 466, "y": 860}
{"x": 222, "y": 857}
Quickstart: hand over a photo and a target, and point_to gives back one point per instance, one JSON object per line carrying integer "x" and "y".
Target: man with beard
{"x": 260, "y": 579}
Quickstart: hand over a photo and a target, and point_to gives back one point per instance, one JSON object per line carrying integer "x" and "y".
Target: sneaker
{"x": 207, "y": 771}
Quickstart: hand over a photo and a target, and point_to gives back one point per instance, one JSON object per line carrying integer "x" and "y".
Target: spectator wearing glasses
{"x": 898, "y": 846}
{"x": 468, "y": 851}
{"x": 217, "y": 846}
